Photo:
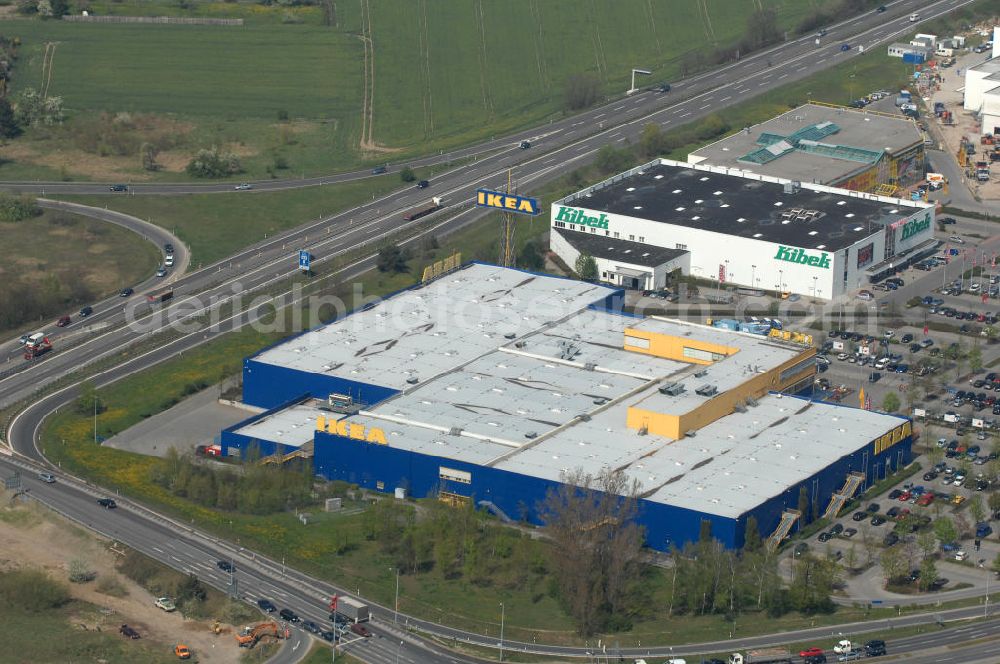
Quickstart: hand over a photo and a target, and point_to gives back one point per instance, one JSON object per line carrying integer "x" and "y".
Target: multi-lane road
{"x": 557, "y": 147}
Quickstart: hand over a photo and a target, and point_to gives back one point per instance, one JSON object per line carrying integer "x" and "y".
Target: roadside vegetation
{"x": 53, "y": 262}
{"x": 397, "y": 92}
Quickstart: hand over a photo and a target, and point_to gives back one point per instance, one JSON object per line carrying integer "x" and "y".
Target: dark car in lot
{"x": 836, "y": 529}
{"x": 895, "y": 494}
{"x": 906, "y": 338}
{"x": 107, "y": 503}
{"x": 877, "y": 520}
{"x": 266, "y": 605}
{"x": 860, "y": 516}
{"x": 891, "y": 539}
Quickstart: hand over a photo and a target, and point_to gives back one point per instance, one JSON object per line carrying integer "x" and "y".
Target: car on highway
{"x": 86, "y": 311}
{"x": 225, "y": 566}
{"x": 266, "y": 605}
{"x": 107, "y": 503}
{"x": 811, "y": 652}
{"x": 48, "y": 478}
{"x": 525, "y": 145}
{"x": 288, "y": 615}
{"x": 125, "y": 292}
{"x": 168, "y": 248}
{"x": 663, "y": 87}
{"x": 327, "y": 635}
{"x": 168, "y": 261}
{"x": 875, "y": 648}
{"x": 118, "y": 187}
{"x": 881, "y": 8}
{"x": 162, "y": 272}
{"x": 845, "y": 47}
{"x": 956, "y": 239}
{"x": 311, "y": 627}
{"x": 63, "y": 321}
{"x": 360, "y": 630}
{"x": 378, "y": 170}
{"x": 423, "y": 184}
{"x": 243, "y": 186}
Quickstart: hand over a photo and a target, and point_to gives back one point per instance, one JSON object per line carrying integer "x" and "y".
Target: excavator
{"x": 249, "y": 636}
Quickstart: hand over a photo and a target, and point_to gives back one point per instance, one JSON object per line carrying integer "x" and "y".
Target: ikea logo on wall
{"x": 507, "y": 202}
{"x": 354, "y": 430}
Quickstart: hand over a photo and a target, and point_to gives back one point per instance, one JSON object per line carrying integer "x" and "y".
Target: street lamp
{"x": 501, "y": 630}
{"x": 397, "y": 651}
{"x": 644, "y": 72}
{"x": 395, "y": 617}
{"x": 753, "y": 275}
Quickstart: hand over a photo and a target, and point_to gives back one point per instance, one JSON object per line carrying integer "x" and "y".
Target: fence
{"x": 172, "y": 20}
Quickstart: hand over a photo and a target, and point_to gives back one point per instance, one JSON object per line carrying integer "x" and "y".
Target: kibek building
{"x": 726, "y": 225}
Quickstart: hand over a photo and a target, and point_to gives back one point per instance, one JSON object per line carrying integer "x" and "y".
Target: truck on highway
{"x": 162, "y": 296}
{"x": 434, "y": 205}
{"x": 352, "y": 609}
{"x": 37, "y": 345}
{"x": 762, "y": 656}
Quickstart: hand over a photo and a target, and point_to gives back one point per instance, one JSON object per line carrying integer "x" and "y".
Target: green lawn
{"x": 444, "y": 74}
{"x": 216, "y": 225}
{"x": 59, "y": 261}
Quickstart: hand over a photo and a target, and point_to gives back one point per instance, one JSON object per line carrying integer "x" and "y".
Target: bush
{"x": 31, "y": 591}
{"x": 213, "y": 163}
{"x": 407, "y": 175}
{"x": 582, "y": 90}
{"x": 110, "y": 586}
{"x": 80, "y": 572}
{"x": 18, "y": 208}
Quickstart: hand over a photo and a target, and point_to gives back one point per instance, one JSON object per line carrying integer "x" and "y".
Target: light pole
{"x": 395, "y": 617}
{"x": 753, "y": 275}
{"x": 644, "y": 72}
{"x": 501, "y": 630}
{"x": 814, "y": 286}
{"x": 397, "y": 651}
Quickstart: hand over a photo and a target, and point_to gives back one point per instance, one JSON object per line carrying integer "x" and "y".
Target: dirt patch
{"x": 75, "y": 163}
{"x": 36, "y": 538}
{"x": 173, "y": 161}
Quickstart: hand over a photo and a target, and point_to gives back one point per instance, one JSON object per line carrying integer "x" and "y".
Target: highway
{"x": 558, "y": 147}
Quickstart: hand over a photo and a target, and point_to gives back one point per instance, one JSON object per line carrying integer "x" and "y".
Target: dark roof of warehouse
{"x": 729, "y": 202}
{"x": 626, "y": 251}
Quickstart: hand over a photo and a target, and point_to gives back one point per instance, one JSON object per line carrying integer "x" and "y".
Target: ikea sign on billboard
{"x": 498, "y": 200}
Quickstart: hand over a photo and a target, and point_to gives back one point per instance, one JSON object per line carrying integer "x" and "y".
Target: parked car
{"x": 165, "y": 603}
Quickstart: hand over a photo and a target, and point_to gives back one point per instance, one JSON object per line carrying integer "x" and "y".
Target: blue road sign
{"x": 304, "y": 258}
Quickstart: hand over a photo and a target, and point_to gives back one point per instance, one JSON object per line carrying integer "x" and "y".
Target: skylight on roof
{"x": 858, "y": 228}
{"x": 716, "y": 193}
{"x": 741, "y": 219}
{"x": 841, "y": 202}
{"x": 636, "y": 207}
{"x": 699, "y": 202}
{"x": 849, "y": 215}
{"x": 680, "y": 209}
{"x": 785, "y": 221}
{"x": 695, "y": 218}
{"x": 630, "y": 189}
{"x": 821, "y": 246}
{"x": 658, "y": 177}
{"x": 676, "y": 191}
{"x": 813, "y": 232}
{"x": 724, "y": 205}
{"x": 704, "y": 179}
{"x": 778, "y": 204}
{"x": 645, "y": 254}
{"x": 758, "y": 234}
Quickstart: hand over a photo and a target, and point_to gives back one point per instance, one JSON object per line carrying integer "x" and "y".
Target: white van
{"x": 914, "y": 18}
{"x": 35, "y": 339}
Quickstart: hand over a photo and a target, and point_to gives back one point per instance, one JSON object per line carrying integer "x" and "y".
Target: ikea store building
{"x": 491, "y": 385}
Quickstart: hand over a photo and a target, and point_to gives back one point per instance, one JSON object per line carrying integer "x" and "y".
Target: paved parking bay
{"x": 196, "y": 420}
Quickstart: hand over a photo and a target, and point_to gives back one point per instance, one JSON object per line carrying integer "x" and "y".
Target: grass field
{"x": 440, "y": 75}
{"x": 215, "y": 225}
{"x": 68, "y": 260}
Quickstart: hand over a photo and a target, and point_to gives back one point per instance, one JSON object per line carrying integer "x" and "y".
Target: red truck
{"x": 37, "y": 345}
{"x": 157, "y": 298}
{"x": 434, "y": 205}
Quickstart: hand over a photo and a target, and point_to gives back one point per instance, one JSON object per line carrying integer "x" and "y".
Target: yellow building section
{"x": 675, "y": 425}
{"x": 672, "y": 347}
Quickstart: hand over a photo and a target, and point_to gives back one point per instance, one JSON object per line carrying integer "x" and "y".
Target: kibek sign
{"x": 799, "y": 256}
{"x": 573, "y": 216}
{"x": 915, "y": 226}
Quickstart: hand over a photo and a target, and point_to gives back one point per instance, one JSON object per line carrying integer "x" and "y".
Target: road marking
{"x": 597, "y": 117}
{"x": 702, "y": 108}
{"x": 618, "y": 108}
{"x": 783, "y": 76}
{"x": 725, "y": 98}
{"x": 157, "y": 549}
{"x": 685, "y": 114}
{"x": 819, "y": 62}
{"x": 176, "y": 558}
{"x": 802, "y": 68}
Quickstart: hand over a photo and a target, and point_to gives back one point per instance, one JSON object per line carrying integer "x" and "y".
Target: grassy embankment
{"x": 56, "y": 262}
{"x": 443, "y": 76}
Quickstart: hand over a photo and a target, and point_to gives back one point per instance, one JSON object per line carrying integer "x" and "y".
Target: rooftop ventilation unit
{"x": 412, "y": 380}
{"x": 707, "y": 390}
{"x": 455, "y": 431}
{"x": 672, "y": 389}
{"x": 691, "y": 433}
{"x": 509, "y": 335}
{"x": 583, "y": 417}
{"x": 700, "y": 372}
{"x": 751, "y": 402}
{"x": 739, "y": 407}
{"x": 643, "y": 430}
{"x": 520, "y": 344}
{"x": 792, "y": 187}
{"x": 531, "y": 435}
{"x": 600, "y": 401}
{"x": 590, "y": 366}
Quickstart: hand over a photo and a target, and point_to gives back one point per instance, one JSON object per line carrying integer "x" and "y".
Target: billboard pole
{"x": 507, "y": 228}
